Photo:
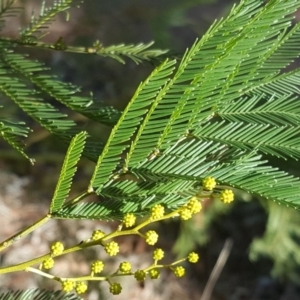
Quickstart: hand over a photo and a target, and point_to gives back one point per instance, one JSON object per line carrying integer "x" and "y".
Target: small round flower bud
{"x": 227, "y": 196}
{"x": 129, "y": 220}
{"x": 97, "y": 235}
{"x": 151, "y": 237}
{"x": 194, "y": 205}
{"x": 154, "y": 274}
{"x": 97, "y": 266}
{"x": 209, "y": 183}
{"x": 81, "y": 287}
{"x": 157, "y": 211}
{"x": 67, "y": 285}
{"x": 158, "y": 254}
{"x": 193, "y": 257}
{"x": 112, "y": 248}
{"x": 140, "y": 275}
{"x": 125, "y": 267}
{"x": 57, "y": 248}
{"x": 185, "y": 214}
{"x": 115, "y": 288}
{"x": 179, "y": 271}
{"x": 48, "y": 263}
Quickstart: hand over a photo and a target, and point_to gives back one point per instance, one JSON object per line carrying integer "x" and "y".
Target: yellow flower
{"x": 115, "y": 288}
{"x": 157, "y": 211}
{"x": 129, "y": 220}
{"x": 81, "y": 287}
{"x": 209, "y": 183}
{"x": 151, "y": 237}
{"x": 48, "y": 263}
{"x": 227, "y": 196}
{"x": 140, "y": 275}
{"x": 57, "y": 248}
{"x": 67, "y": 285}
{"x": 179, "y": 271}
{"x": 112, "y": 248}
{"x": 125, "y": 267}
{"x": 158, "y": 254}
{"x": 193, "y": 257}
{"x": 97, "y": 266}
{"x": 194, "y": 205}
{"x": 154, "y": 274}
{"x": 185, "y": 213}
{"x": 97, "y": 235}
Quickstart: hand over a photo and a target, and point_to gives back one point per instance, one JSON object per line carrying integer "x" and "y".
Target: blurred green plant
{"x": 193, "y": 128}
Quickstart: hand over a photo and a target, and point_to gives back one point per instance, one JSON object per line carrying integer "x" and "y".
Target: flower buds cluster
{"x": 128, "y": 226}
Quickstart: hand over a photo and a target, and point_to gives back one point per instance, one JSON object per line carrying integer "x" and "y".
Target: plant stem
{"x": 24, "y": 232}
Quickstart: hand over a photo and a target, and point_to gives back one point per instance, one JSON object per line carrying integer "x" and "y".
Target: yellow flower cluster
{"x": 158, "y": 254}
{"x": 179, "y": 271}
{"x": 129, "y": 220}
{"x": 48, "y": 263}
{"x": 154, "y": 273}
{"x": 81, "y": 287}
{"x": 97, "y": 235}
{"x": 112, "y": 248}
{"x": 227, "y": 196}
{"x": 151, "y": 237}
{"x": 97, "y": 266}
{"x": 140, "y": 275}
{"x": 185, "y": 214}
{"x": 115, "y": 288}
{"x": 193, "y": 257}
{"x": 67, "y": 285}
{"x": 57, "y": 248}
{"x": 209, "y": 183}
{"x": 125, "y": 267}
{"x": 157, "y": 211}
{"x": 194, "y": 205}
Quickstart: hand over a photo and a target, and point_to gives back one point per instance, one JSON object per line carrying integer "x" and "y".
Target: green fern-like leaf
{"x": 7, "y": 9}
{"x": 68, "y": 171}
{"x": 47, "y": 16}
{"x": 11, "y": 133}
{"x": 37, "y": 295}
{"x": 138, "y": 53}
{"x": 129, "y": 122}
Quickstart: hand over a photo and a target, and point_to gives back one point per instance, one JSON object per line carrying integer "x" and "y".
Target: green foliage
{"x": 68, "y": 171}
{"x": 216, "y": 112}
{"x": 37, "y": 294}
{"x": 212, "y": 114}
{"x": 280, "y": 241}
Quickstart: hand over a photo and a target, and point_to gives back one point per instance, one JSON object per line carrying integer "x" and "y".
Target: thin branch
{"x": 215, "y": 274}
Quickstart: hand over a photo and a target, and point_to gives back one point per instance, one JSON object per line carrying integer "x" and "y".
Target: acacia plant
{"x": 195, "y": 128}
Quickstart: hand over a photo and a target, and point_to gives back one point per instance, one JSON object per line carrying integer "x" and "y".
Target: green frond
{"x": 37, "y": 295}
{"x": 112, "y": 209}
{"x": 7, "y": 10}
{"x": 14, "y": 84}
{"x": 11, "y": 133}
{"x": 47, "y": 16}
{"x": 281, "y": 141}
{"x": 138, "y": 53}
{"x": 63, "y": 92}
{"x": 251, "y": 174}
{"x": 67, "y": 172}
{"x": 280, "y": 85}
{"x": 211, "y": 74}
{"x": 129, "y": 122}
{"x": 281, "y": 111}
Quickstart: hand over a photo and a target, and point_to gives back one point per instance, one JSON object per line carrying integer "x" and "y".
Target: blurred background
{"x": 263, "y": 262}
